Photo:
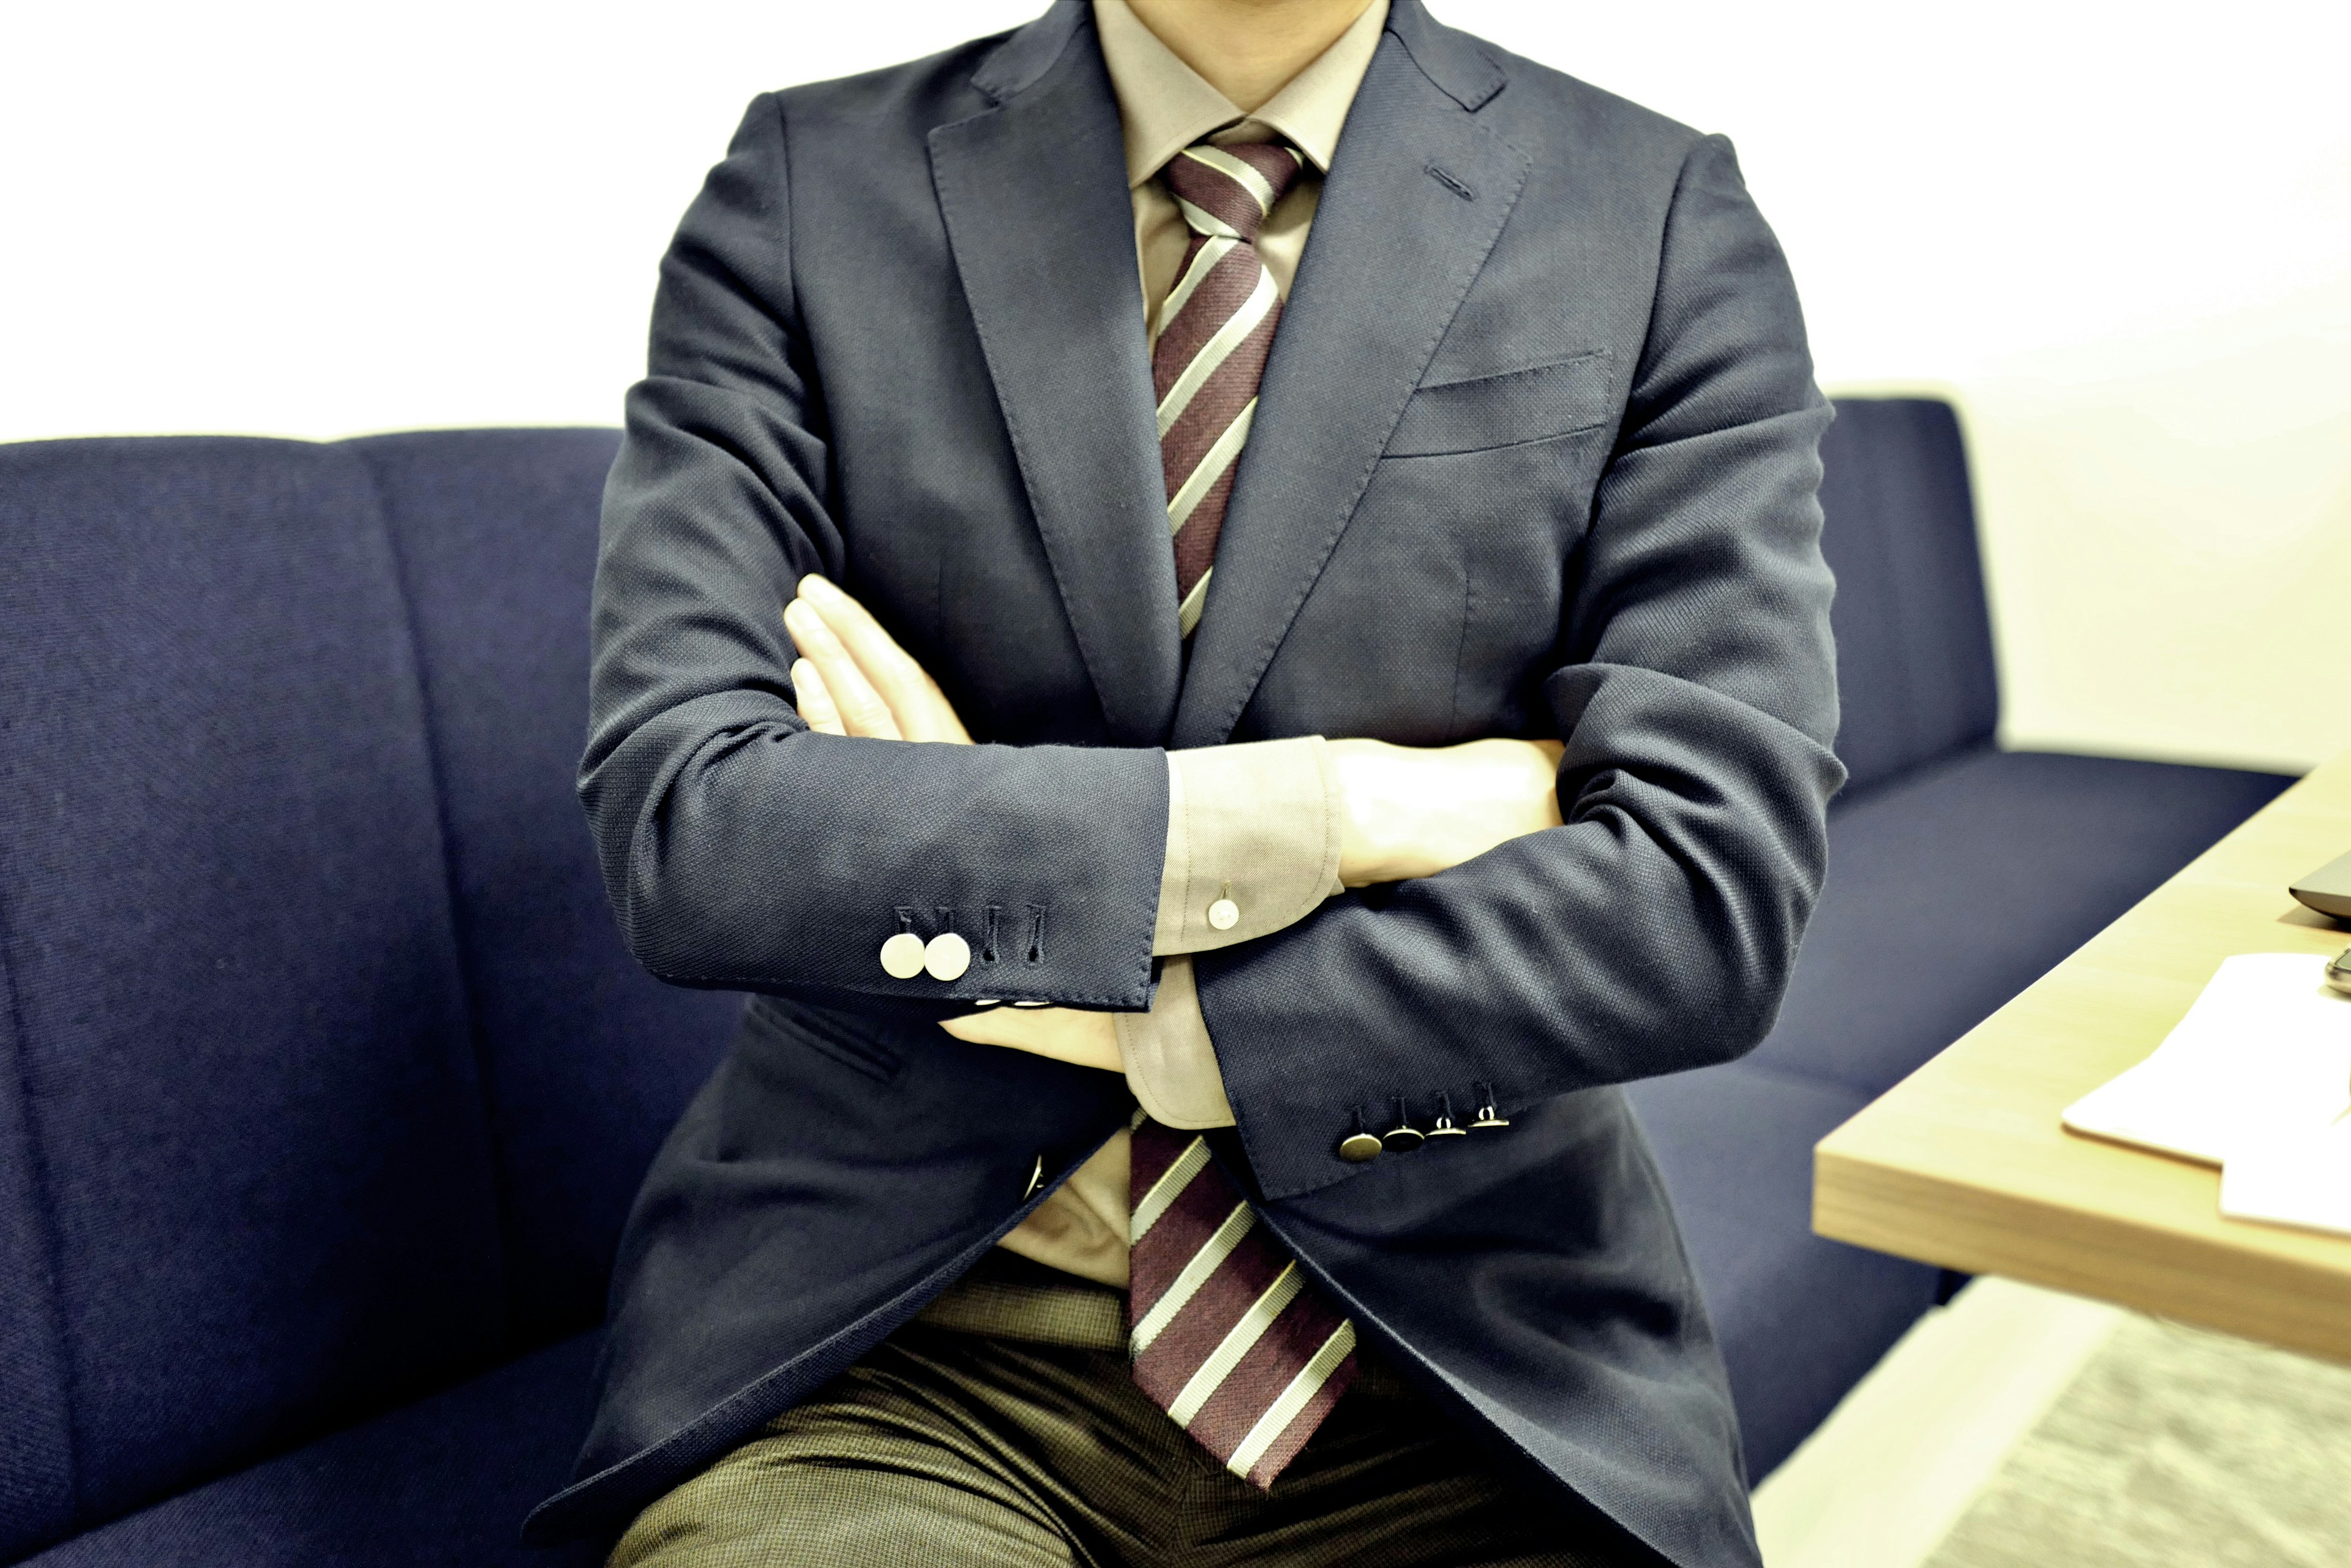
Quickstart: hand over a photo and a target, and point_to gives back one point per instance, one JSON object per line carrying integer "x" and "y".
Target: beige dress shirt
{"x": 1252, "y": 824}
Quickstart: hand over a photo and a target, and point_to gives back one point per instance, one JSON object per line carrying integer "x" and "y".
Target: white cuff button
{"x": 1224, "y": 915}
{"x": 902, "y": 956}
{"x": 947, "y": 956}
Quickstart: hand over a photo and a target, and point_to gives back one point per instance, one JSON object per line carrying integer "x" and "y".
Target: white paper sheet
{"x": 2263, "y": 1055}
{"x": 2301, "y": 1178}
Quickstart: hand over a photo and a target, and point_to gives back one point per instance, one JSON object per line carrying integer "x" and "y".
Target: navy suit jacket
{"x": 1536, "y": 456}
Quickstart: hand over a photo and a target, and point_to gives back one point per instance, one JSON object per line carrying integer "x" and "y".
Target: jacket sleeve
{"x": 740, "y": 848}
{"x": 1656, "y": 929}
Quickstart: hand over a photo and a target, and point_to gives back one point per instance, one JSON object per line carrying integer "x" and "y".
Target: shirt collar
{"x": 1164, "y": 105}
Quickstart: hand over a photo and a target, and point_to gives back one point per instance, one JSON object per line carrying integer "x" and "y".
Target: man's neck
{"x": 1247, "y": 49}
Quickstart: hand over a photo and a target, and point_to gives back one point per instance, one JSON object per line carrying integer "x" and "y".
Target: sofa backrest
{"x": 587, "y": 1061}
{"x": 248, "y": 1180}
{"x": 324, "y": 1078}
{"x": 1913, "y": 637}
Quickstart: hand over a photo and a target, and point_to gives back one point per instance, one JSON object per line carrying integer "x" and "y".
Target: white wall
{"x": 2120, "y": 235}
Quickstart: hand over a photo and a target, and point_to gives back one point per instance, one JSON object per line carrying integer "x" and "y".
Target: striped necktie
{"x": 1215, "y": 332}
{"x": 1226, "y": 1334}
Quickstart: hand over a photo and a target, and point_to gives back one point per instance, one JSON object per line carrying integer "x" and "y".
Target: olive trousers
{"x": 1000, "y": 1429}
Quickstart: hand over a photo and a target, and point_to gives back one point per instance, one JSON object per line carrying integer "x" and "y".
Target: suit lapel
{"x": 1033, "y": 191}
{"x": 1417, "y": 193}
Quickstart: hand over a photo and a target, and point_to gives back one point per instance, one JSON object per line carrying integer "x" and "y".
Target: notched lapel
{"x": 1419, "y": 192}
{"x": 1033, "y": 192}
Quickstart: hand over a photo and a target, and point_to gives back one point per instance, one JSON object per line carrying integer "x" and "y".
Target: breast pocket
{"x": 1541, "y": 403}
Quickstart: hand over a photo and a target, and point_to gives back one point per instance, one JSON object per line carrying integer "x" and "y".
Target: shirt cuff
{"x": 1252, "y": 842}
{"x": 1170, "y": 1064}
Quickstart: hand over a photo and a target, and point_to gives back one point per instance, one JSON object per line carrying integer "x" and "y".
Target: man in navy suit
{"x": 1357, "y": 489}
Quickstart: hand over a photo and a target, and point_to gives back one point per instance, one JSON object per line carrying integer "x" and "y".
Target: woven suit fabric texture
{"x": 1215, "y": 332}
{"x": 1541, "y": 405}
{"x": 1226, "y": 1335}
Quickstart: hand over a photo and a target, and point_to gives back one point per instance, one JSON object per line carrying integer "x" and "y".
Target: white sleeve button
{"x": 947, "y": 956}
{"x": 902, "y": 956}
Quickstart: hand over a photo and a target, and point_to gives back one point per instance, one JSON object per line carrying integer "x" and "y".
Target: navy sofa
{"x": 325, "y": 1082}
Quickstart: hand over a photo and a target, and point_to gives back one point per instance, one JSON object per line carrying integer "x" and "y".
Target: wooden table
{"x": 1964, "y": 1162}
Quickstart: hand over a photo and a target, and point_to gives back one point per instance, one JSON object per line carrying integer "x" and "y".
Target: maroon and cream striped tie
{"x": 1226, "y": 1335}
{"x": 1215, "y": 332}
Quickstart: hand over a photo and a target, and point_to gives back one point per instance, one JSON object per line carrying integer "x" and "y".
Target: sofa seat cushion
{"x": 444, "y": 1482}
{"x": 1799, "y": 1318}
{"x": 1956, "y": 886}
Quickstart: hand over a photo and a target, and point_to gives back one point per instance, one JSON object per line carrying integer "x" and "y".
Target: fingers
{"x": 919, "y": 707}
{"x": 859, "y": 708}
{"x": 816, "y": 703}
{"x": 1065, "y": 1034}
{"x": 1021, "y": 1027}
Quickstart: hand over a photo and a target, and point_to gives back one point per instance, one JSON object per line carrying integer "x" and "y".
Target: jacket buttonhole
{"x": 1452, "y": 184}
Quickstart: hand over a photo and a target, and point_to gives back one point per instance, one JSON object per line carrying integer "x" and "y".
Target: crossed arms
{"x": 1691, "y": 682}
{"x": 1402, "y": 811}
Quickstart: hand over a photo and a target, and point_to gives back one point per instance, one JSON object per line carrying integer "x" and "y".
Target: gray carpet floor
{"x": 2174, "y": 1448}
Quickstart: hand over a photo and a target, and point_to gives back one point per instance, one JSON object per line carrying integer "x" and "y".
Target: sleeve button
{"x": 1404, "y": 1137}
{"x": 1357, "y": 1147}
{"x": 902, "y": 956}
{"x": 947, "y": 956}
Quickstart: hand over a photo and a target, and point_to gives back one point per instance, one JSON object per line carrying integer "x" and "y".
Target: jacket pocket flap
{"x": 821, "y": 1029}
{"x": 1517, "y": 406}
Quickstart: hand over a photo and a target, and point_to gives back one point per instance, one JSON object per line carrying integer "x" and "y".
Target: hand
{"x": 1066, "y": 1034}
{"x": 1408, "y": 811}
{"x": 853, "y": 678}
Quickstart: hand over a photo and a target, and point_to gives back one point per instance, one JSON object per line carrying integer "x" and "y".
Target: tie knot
{"x": 1227, "y": 191}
